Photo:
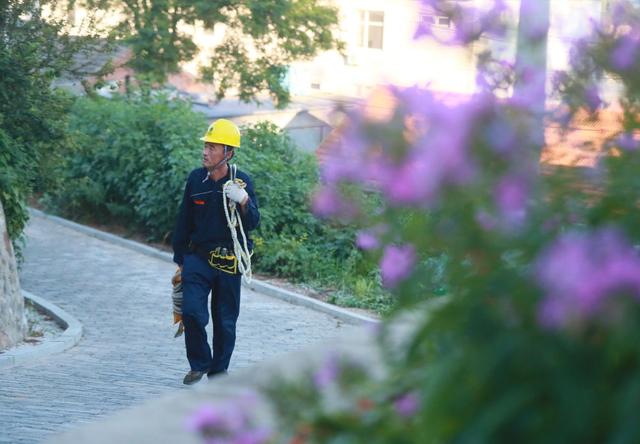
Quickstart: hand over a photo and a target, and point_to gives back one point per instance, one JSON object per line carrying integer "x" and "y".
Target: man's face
{"x": 212, "y": 153}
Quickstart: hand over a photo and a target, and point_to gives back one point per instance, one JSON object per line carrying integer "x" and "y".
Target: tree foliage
{"x": 261, "y": 37}
{"x": 33, "y": 51}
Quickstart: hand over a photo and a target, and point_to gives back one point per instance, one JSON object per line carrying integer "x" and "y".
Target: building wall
{"x": 400, "y": 60}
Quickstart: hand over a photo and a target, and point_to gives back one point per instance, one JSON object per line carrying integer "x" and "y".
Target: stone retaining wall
{"x": 13, "y": 324}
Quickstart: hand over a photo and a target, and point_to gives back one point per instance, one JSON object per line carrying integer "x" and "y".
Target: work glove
{"x": 176, "y": 297}
{"x": 177, "y": 277}
{"x": 236, "y": 192}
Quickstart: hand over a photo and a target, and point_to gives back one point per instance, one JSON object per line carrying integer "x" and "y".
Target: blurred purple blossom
{"x": 228, "y": 423}
{"x": 438, "y": 156}
{"x": 511, "y": 195}
{"x": 494, "y": 74}
{"x": 206, "y": 416}
{"x": 626, "y": 52}
{"x": 628, "y": 142}
{"x": 351, "y": 145}
{"x": 435, "y": 155}
{"x": 328, "y": 372}
{"x": 552, "y": 223}
{"x": 470, "y": 22}
{"x": 423, "y": 29}
{"x": 407, "y": 405}
{"x": 256, "y": 436}
{"x": 328, "y": 202}
{"x": 502, "y": 135}
{"x": 620, "y": 12}
{"x": 397, "y": 264}
{"x": 532, "y": 80}
{"x": 578, "y": 53}
{"x": 366, "y": 240}
{"x": 486, "y": 221}
{"x": 580, "y": 271}
{"x": 592, "y": 97}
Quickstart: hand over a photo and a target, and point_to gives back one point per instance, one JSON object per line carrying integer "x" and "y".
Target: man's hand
{"x": 177, "y": 277}
{"x": 236, "y": 193}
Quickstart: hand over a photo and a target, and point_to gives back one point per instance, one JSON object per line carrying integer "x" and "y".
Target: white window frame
{"x": 437, "y": 21}
{"x": 365, "y": 24}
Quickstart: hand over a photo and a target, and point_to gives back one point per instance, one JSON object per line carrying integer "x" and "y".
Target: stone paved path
{"x": 127, "y": 353}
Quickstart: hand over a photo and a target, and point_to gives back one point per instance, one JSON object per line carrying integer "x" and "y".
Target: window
{"x": 371, "y": 29}
{"x": 439, "y": 21}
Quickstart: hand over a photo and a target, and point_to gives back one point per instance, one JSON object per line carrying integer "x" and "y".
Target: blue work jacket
{"x": 201, "y": 220}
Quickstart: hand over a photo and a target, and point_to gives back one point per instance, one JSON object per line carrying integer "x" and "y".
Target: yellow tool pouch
{"x": 223, "y": 260}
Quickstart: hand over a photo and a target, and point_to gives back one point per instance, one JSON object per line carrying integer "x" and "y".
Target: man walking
{"x": 204, "y": 251}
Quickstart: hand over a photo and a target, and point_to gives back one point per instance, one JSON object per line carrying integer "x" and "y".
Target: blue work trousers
{"x": 198, "y": 279}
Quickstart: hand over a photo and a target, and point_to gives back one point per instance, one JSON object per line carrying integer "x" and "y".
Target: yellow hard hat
{"x": 223, "y": 131}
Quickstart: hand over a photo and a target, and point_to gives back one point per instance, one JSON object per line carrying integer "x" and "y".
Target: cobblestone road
{"x": 127, "y": 353}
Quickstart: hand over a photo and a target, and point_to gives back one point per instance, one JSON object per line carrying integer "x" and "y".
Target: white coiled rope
{"x": 231, "y": 211}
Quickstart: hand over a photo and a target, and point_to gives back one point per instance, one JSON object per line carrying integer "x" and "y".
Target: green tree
{"x": 33, "y": 52}
{"x": 261, "y": 38}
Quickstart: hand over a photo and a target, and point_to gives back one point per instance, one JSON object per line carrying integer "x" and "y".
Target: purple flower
{"x": 206, "y": 416}
{"x": 407, "y": 405}
{"x": 625, "y": 53}
{"x": 367, "y": 241}
{"x": 581, "y": 271}
{"x": 439, "y": 156}
{"x": 502, "y": 136}
{"x": 592, "y": 97}
{"x": 327, "y": 373}
{"x": 257, "y": 436}
{"x": 619, "y": 13}
{"x": 533, "y": 80}
{"x": 486, "y": 221}
{"x": 229, "y": 423}
{"x": 423, "y": 29}
{"x": 628, "y": 142}
{"x": 469, "y": 22}
{"x": 328, "y": 202}
{"x": 511, "y": 196}
{"x": 217, "y": 420}
{"x": 351, "y": 145}
{"x": 413, "y": 182}
{"x": 397, "y": 264}
{"x": 435, "y": 154}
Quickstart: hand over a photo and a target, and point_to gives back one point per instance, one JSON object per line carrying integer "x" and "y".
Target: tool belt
{"x": 220, "y": 258}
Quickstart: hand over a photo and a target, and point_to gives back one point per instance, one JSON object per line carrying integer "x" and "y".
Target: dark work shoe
{"x": 216, "y": 373}
{"x": 192, "y": 377}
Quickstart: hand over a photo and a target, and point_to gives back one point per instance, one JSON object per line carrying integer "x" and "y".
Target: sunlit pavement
{"x": 128, "y": 353}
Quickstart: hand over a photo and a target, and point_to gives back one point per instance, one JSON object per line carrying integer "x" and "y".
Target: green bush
{"x": 129, "y": 162}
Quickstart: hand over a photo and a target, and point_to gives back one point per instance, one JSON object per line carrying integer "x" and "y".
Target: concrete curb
{"x": 305, "y": 301}
{"x": 69, "y": 338}
{"x": 257, "y": 285}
